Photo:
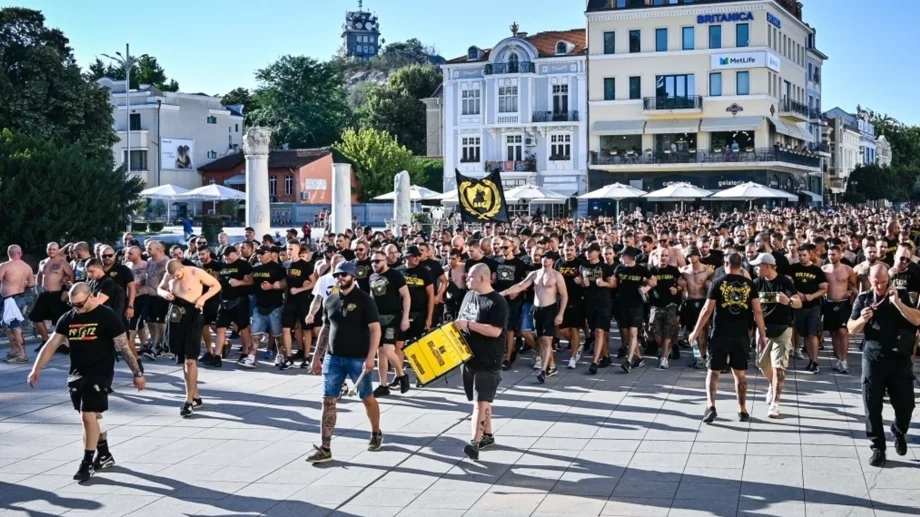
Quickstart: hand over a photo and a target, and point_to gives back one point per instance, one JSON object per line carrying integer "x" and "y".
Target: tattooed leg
{"x": 712, "y": 384}
{"x": 741, "y": 389}
{"x": 778, "y": 381}
{"x": 328, "y": 418}
{"x": 487, "y": 428}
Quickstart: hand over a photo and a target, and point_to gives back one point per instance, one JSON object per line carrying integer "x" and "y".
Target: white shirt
{"x": 324, "y": 285}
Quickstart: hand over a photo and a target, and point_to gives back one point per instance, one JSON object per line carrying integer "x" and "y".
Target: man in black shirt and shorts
{"x": 482, "y": 319}
{"x": 392, "y": 299}
{"x": 297, "y": 302}
{"x": 235, "y": 277}
{"x": 94, "y": 332}
{"x": 573, "y": 319}
{"x": 633, "y": 282}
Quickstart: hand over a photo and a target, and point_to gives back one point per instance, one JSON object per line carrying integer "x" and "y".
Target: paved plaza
{"x": 611, "y": 444}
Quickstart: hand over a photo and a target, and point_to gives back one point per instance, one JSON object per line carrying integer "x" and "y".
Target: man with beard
{"x": 695, "y": 279}
{"x": 235, "y": 277}
{"x": 209, "y": 312}
{"x": 363, "y": 267}
{"x": 664, "y": 299}
{"x": 80, "y": 256}
{"x": 138, "y": 266}
{"x": 709, "y": 257}
{"x": 156, "y": 306}
{"x": 573, "y": 318}
{"x": 811, "y": 283}
{"x": 269, "y": 279}
{"x": 510, "y": 270}
{"x": 343, "y": 246}
{"x": 296, "y": 305}
{"x": 421, "y": 295}
{"x": 53, "y": 273}
{"x": 841, "y": 290}
{"x": 633, "y": 282}
{"x": 123, "y": 277}
{"x": 764, "y": 245}
{"x": 393, "y": 303}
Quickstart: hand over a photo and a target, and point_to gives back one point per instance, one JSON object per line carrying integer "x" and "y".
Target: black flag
{"x": 482, "y": 200}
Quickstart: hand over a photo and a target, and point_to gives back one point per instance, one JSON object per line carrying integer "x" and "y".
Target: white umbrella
{"x": 678, "y": 192}
{"x": 416, "y": 193}
{"x": 449, "y": 197}
{"x": 617, "y": 192}
{"x": 165, "y": 193}
{"x": 534, "y": 195}
{"x": 213, "y": 193}
{"x": 750, "y": 191}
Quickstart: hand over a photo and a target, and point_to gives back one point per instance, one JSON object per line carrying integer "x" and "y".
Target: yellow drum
{"x": 437, "y": 353}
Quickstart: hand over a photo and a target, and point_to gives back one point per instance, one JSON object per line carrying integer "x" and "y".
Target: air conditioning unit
{"x": 530, "y": 142}
{"x": 305, "y": 196}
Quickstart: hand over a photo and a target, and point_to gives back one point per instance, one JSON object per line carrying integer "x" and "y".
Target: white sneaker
{"x": 572, "y": 363}
{"x": 663, "y": 365}
{"x": 769, "y": 397}
{"x": 249, "y": 362}
{"x": 799, "y": 355}
{"x": 279, "y": 359}
{"x": 844, "y": 369}
{"x": 773, "y": 412}
{"x": 538, "y": 363}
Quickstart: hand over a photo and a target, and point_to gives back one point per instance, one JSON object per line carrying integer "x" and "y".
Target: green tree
{"x": 305, "y": 101}
{"x": 146, "y": 71}
{"x": 405, "y": 53}
{"x": 869, "y": 183}
{"x": 241, "y": 96}
{"x": 376, "y": 158}
{"x": 427, "y": 172}
{"x": 395, "y": 106}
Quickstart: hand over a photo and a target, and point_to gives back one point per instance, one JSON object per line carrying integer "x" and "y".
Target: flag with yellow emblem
{"x": 482, "y": 200}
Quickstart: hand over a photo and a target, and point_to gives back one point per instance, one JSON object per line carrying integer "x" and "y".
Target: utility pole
{"x": 127, "y": 61}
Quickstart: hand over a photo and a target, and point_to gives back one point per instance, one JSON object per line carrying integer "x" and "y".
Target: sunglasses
{"x": 340, "y": 275}
{"x": 108, "y": 255}
{"x": 377, "y": 261}
{"x": 77, "y": 305}
{"x": 202, "y": 243}
{"x": 903, "y": 259}
{"x": 362, "y": 250}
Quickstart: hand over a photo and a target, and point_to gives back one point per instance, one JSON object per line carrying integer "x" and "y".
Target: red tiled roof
{"x": 545, "y": 43}
{"x": 277, "y": 158}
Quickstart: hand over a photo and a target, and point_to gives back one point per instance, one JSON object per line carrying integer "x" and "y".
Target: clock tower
{"x": 361, "y": 34}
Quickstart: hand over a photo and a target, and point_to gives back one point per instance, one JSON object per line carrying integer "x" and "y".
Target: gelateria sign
{"x": 725, "y": 17}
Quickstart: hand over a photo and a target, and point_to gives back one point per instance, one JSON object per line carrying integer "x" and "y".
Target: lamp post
{"x": 127, "y": 61}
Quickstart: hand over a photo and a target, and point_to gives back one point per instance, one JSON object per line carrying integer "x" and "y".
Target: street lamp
{"x": 127, "y": 61}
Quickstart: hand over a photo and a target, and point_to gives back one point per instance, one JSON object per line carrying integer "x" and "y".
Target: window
{"x": 272, "y": 185}
{"x": 635, "y": 42}
{"x": 138, "y": 159}
{"x": 236, "y": 128}
{"x": 689, "y": 37}
{"x": 661, "y": 40}
{"x": 560, "y": 148}
{"x": 515, "y": 147}
{"x": 621, "y": 4}
{"x": 212, "y": 155}
{"x": 469, "y": 147}
{"x": 472, "y": 53}
{"x": 609, "y": 89}
{"x": 715, "y": 36}
{"x": 609, "y": 42}
{"x": 744, "y": 83}
{"x": 675, "y": 86}
{"x": 135, "y": 122}
{"x": 715, "y": 84}
{"x": 288, "y": 185}
{"x": 470, "y": 102}
{"x": 212, "y": 119}
{"x": 561, "y": 48}
{"x": 560, "y": 98}
{"x": 513, "y": 63}
{"x": 742, "y": 35}
{"x": 507, "y": 99}
{"x": 211, "y": 181}
{"x": 635, "y": 87}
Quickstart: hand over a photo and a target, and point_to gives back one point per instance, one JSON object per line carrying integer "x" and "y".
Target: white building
{"x": 172, "y": 134}
{"x": 883, "y": 146}
{"x": 519, "y": 107}
{"x": 844, "y": 140}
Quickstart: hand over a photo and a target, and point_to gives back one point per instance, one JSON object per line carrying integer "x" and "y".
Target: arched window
{"x": 512, "y": 63}
{"x": 561, "y": 48}
{"x": 472, "y": 53}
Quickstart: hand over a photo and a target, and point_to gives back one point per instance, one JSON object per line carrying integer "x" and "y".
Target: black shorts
{"x": 90, "y": 394}
{"x": 479, "y": 384}
{"x": 728, "y": 351}
{"x": 836, "y": 315}
{"x": 49, "y": 307}
{"x": 690, "y": 312}
{"x": 183, "y": 330}
{"x": 390, "y": 333}
{"x": 294, "y": 314}
{"x": 631, "y": 316}
{"x": 598, "y": 316}
{"x": 438, "y": 317}
{"x": 140, "y": 313}
{"x": 544, "y": 320}
{"x": 416, "y": 327}
{"x": 156, "y": 309}
{"x": 574, "y": 315}
{"x": 233, "y": 311}
{"x": 209, "y": 314}
{"x": 514, "y": 314}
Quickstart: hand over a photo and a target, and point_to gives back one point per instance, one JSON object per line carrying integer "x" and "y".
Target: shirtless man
{"x": 183, "y": 287}
{"x": 137, "y": 264}
{"x": 676, "y": 259}
{"x": 548, "y": 312}
{"x": 53, "y": 273}
{"x": 695, "y": 278}
{"x": 15, "y": 277}
{"x": 841, "y": 291}
{"x": 456, "y": 285}
{"x": 862, "y": 269}
{"x": 157, "y": 307}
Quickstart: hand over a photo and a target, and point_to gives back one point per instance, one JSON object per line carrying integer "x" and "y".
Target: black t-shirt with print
{"x": 348, "y": 254}
{"x": 509, "y": 272}
{"x": 211, "y": 268}
{"x": 108, "y": 287}
{"x": 490, "y": 309}
{"x": 629, "y": 280}
{"x": 776, "y": 316}
{"x": 298, "y": 273}
{"x": 348, "y": 317}
{"x": 385, "y": 290}
{"x": 909, "y": 279}
{"x": 271, "y": 272}
{"x": 733, "y": 312}
{"x": 91, "y": 337}
{"x": 469, "y": 263}
{"x": 122, "y": 276}
{"x": 237, "y": 271}
{"x": 590, "y": 274}
{"x": 667, "y": 278}
{"x": 363, "y": 272}
{"x": 806, "y": 280}
{"x": 417, "y": 280}
{"x": 569, "y": 271}
{"x": 887, "y": 329}
{"x": 713, "y": 260}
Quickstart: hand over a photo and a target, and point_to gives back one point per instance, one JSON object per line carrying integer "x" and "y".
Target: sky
{"x": 214, "y": 46}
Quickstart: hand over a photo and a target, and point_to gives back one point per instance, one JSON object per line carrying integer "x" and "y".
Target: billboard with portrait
{"x": 177, "y": 153}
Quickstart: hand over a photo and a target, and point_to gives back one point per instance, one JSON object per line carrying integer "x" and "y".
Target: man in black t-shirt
{"x": 596, "y": 280}
{"x": 123, "y": 277}
{"x": 363, "y": 266}
{"x": 269, "y": 279}
{"x": 633, "y": 282}
{"x": 104, "y": 288}
{"x": 421, "y": 294}
{"x": 351, "y": 331}
{"x": 664, "y": 299}
{"x": 436, "y": 270}
{"x": 235, "y": 277}
{"x": 94, "y": 333}
{"x": 393, "y": 302}
{"x": 476, "y": 257}
{"x": 482, "y": 320}
{"x": 811, "y": 283}
{"x": 296, "y": 304}
{"x": 573, "y": 319}
{"x": 510, "y": 270}
{"x": 733, "y": 303}
{"x": 209, "y": 311}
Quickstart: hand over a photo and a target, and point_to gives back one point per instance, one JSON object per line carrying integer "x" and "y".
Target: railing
{"x": 688, "y": 102}
{"x": 791, "y": 106}
{"x": 815, "y": 114}
{"x": 522, "y": 67}
{"x": 510, "y": 166}
{"x": 718, "y": 155}
{"x": 555, "y": 116}
{"x": 819, "y": 148}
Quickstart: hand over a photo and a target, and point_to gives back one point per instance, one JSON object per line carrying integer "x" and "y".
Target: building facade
{"x": 434, "y": 123}
{"x": 519, "y": 108}
{"x": 171, "y": 134}
{"x": 883, "y": 146}
{"x": 844, "y": 139}
{"x": 361, "y": 34}
{"x": 710, "y": 93}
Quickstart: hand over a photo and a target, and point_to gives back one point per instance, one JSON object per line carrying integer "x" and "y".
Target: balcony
{"x": 815, "y": 114}
{"x": 793, "y": 7}
{"x": 523, "y": 67}
{"x": 510, "y": 166}
{"x": 689, "y": 102}
{"x": 727, "y": 156}
{"x": 555, "y": 116}
{"x": 791, "y": 108}
{"x": 821, "y": 148}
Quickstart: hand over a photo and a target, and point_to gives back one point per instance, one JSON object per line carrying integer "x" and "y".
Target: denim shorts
{"x": 262, "y": 323}
{"x": 336, "y": 368}
{"x": 527, "y": 317}
{"x": 252, "y": 305}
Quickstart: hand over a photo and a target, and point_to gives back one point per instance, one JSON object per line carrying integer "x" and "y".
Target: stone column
{"x": 341, "y": 197}
{"x": 255, "y": 148}
{"x": 402, "y": 204}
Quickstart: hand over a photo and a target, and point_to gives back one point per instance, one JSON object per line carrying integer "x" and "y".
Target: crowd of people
{"x": 721, "y": 289}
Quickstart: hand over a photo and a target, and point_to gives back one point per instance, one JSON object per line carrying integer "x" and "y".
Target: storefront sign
{"x": 774, "y": 20}
{"x": 727, "y": 181}
{"x": 666, "y": 181}
{"x": 745, "y": 60}
{"x": 725, "y": 17}
{"x": 315, "y": 184}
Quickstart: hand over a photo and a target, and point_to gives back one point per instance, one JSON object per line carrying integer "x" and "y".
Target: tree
{"x": 376, "y": 158}
{"x": 405, "y": 53}
{"x": 427, "y": 172}
{"x": 146, "y": 71}
{"x": 305, "y": 101}
{"x": 869, "y": 183}
{"x": 244, "y": 97}
{"x": 395, "y": 106}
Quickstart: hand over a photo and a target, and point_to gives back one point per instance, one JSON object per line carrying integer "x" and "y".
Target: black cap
{"x": 276, "y": 249}
{"x": 263, "y": 249}
{"x": 412, "y": 251}
{"x": 693, "y": 250}
{"x": 230, "y": 249}
{"x": 630, "y": 251}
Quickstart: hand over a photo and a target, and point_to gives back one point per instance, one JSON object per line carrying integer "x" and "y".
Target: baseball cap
{"x": 276, "y": 249}
{"x": 693, "y": 250}
{"x": 229, "y": 249}
{"x": 263, "y": 249}
{"x": 764, "y": 258}
{"x": 345, "y": 268}
{"x": 413, "y": 251}
{"x": 630, "y": 251}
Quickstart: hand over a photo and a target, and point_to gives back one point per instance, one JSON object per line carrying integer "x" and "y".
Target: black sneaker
{"x": 298, "y": 356}
{"x": 186, "y": 410}
{"x": 551, "y": 371}
{"x": 541, "y": 376}
{"x": 472, "y": 450}
{"x": 486, "y": 442}
{"x": 878, "y": 459}
{"x": 242, "y": 358}
{"x": 404, "y": 383}
{"x": 743, "y": 416}
{"x": 86, "y": 471}
{"x": 592, "y": 369}
{"x": 625, "y": 366}
{"x": 900, "y": 443}
{"x": 376, "y": 441}
{"x": 506, "y": 365}
{"x": 205, "y": 358}
{"x": 149, "y": 353}
{"x": 103, "y": 462}
{"x": 287, "y": 364}
{"x": 381, "y": 391}
{"x": 394, "y": 383}
{"x": 814, "y": 368}
{"x": 197, "y": 403}
{"x": 710, "y": 415}
{"x": 621, "y": 353}
{"x": 605, "y": 362}
{"x": 637, "y": 362}
{"x": 216, "y": 362}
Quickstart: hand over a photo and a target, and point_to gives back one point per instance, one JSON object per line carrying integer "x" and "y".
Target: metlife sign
{"x": 746, "y": 60}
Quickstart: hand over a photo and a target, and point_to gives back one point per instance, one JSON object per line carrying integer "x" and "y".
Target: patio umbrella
{"x": 213, "y": 193}
{"x": 678, "y": 192}
{"x": 416, "y": 193}
{"x": 165, "y": 192}
{"x": 532, "y": 194}
{"x": 449, "y": 197}
{"x": 750, "y": 191}
{"x": 617, "y": 192}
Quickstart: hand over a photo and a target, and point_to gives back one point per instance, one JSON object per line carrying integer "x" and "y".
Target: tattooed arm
{"x": 322, "y": 343}
{"x": 127, "y": 351}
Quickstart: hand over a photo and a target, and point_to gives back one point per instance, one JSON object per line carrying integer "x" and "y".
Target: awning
{"x": 713, "y": 125}
{"x": 566, "y": 189}
{"x": 618, "y": 127}
{"x": 803, "y": 132}
{"x": 239, "y": 179}
{"x": 663, "y": 127}
{"x": 814, "y": 197}
{"x": 783, "y": 129}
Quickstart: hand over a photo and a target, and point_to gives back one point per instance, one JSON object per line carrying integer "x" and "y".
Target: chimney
{"x": 522, "y": 34}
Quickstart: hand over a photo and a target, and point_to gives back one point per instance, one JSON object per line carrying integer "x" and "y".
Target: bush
{"x": 139, "y": 226}
{"x": 211, "y": 226}
{"x": 155, "y": 227}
